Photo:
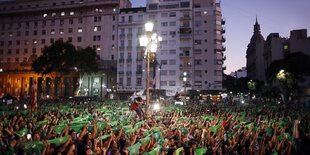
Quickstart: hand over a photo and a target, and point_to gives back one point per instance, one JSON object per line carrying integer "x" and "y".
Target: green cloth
{"x": 200, "y": 151}
{"x": 33, "y": 147}
{"x": 101, "y": 125}
{"x": 250, "y": 125}
{"x": 134, "y": 149}
{"x": 60, "y": 140}
{"x": 77, "y": 127}
{"x": 178, "y": 151}
{"x": 59, "y": 128}
{"x": 155, "y": 151}
{"x": 21, "y": 132}
{"x": 42, "y": 122}
{"x": 104, "y": 137}
{"x": 214, "y": 129}
{"x": 145, "y": 140}
{"x": 156, "y": 136}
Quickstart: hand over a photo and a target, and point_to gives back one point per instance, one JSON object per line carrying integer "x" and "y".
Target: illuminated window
{"x": 80, "y": 30}
{"x": 71, "y": 13}
{"x": 52, "y": 31}
{"x": 54, "y": 14}
{"x": 62, "y": 13}
{"x": 44, "y": 15}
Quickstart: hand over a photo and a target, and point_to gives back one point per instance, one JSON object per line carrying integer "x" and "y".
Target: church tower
{"x": 254, "y": 55}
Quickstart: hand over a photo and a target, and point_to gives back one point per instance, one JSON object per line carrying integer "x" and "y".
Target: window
{"x": 164, "y": 24}
{"x": 70, "y": 39}
{"x": 61, "y": 31}
{"x": 52, "y": 22}
{"x": 17, "y": 42}
{"x": 139, "y": 81}
{"x": 172, "y": 52}
{"x": 130, "y": 19}
{"x": 10, "y": 42}
{"x": 62, "y": 13}
{"x": 80, "y": 29}
{"x": 172, "y": 62}
{"x": 70, "y": 21}
{"x": 52, "y": 40}
{"x": 44, "y": 15}
{"x": 163, "y": 62}
{"x": 163, "y": 72}
{"x": 26, "y": 33}
{"x": 172, "y": 14}
{"x": 197, "y": 62}
{"x": 184, "y": 4}
{"x": 53, "y": 14}
{"x": 97, "y": 28}
{"x": 197, "y": 42}
{"x": 80, "y": 20}
{"x": 172, "y": 23}
{"x": 70, "y": 30}
{"x": 97, "y": 19}
{"x": 97, "y": 38}
{"x": 35, "y": 32}
{"x": 17, "y": 51}
{"x": 43, "y": 32}
{"x": 172, "y": 33}
{"x": 164, "y": 14}
{"x": 52, "y": 31}
{"x": 197, "y": 13}
{"x": 172, "y": 72}
{"x": 25, "y": 51}
{"x": 197, "y": 23}
{"x": 171, "y": 83}
{"x": 34, "y": 50}
{"x": 79, "y": 39}
{"x": 42, "y": 41}
{"x": 61, "y": 22}
{"x": 128, "y": 81}
{"x": 71, "y": 13}
{"x": 9, "y": 51}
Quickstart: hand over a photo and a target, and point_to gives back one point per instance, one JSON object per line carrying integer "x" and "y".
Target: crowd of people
{"x": 112, "y": 128}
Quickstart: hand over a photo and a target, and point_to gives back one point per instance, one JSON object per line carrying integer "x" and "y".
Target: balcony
{"x": 224, "y": 57}
{"x": 139, "y": 60}
{"x": 121, "y": 48}
{"x": 185, "y": 17}
{"x": 129, "y": 60}
{"x": 184, "y": 56}
{"x": 223, "y": 30}
{"x": 138, "y": 72}
{"x": 129, "y": 48}
{"x": 185, "y": 36}
{"x": 122, "y": 36}
{"x": 128, "y": 73}
{"x": 224, "y": 67}
{"x": 121, "y": 60}
{"x": 223, "y": 48}
{"x": 223, "y": 39}
{"x": 223, "y": 21}
{"x": 185, "y": 66}
{"x": 129, "y": 35}
{"x": 121, "y": 72}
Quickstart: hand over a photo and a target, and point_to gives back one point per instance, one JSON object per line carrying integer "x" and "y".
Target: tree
{"x": 62, "y": 57}
{"x": 59, "y": 57}
{"x": 289, "y": 72}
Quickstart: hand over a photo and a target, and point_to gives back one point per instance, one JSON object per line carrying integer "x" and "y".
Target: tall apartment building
{"x": 29, "y": 25}
{"x": 192, "y": 43}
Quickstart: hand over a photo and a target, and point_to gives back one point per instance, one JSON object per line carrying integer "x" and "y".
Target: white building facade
{"x": 192, "y": 46}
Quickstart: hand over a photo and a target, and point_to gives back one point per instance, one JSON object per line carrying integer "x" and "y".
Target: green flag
{"x": 134, "y": 149}
{"x": 21, "y": 132}
{"x": 101, "y": 125}
{"x": 200, "y": 151}
{"x": 145, "y": 140}
{"x": 59, "y": 141}
{"x": 156, "y": 136}
{"x": 178, "y": 151}
{"x": 59, "y": 128}
{"x": 33, "y": 147}
{"x": 104, "y": 137}
{"x": 155, "y": 151}
{"x": 214, "y": 129}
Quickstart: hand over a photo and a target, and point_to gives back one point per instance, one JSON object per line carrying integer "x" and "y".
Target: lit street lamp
{"x": 150, "y": 41}
{"x": 184, "y": 81}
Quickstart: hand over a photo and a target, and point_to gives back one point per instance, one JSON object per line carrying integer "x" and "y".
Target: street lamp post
{"x": 150, "y": 41}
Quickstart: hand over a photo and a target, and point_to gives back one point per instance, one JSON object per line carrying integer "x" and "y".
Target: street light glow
{"x": 149, "y": 27}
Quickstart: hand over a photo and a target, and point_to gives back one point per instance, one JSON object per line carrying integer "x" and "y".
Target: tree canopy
{"x": 63, "y": 57}
{"x": 290, "y": 71}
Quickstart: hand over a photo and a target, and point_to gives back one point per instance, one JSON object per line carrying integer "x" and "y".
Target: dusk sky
{"x": 274, "y": 16}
